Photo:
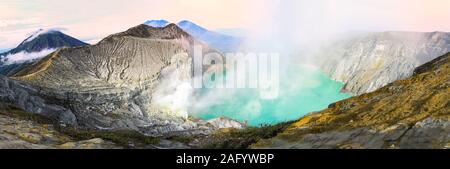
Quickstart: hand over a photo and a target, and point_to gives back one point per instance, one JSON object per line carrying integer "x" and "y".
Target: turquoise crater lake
{"x": 302, "y": 90}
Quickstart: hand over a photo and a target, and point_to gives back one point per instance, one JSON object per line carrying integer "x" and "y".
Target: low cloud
{"x": 23, "y": 57}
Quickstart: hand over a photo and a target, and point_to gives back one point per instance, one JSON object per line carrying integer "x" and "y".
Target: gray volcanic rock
{"x": 427, "y": 134}
{"x": 223, "y": 123}
{"x": 29, "y": 98}
{"x": 20, "y": 133}
{"x": 112, "y": 85}
{"x": 370, "y": 61}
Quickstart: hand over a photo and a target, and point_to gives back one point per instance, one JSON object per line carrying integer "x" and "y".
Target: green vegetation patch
{"x": 243, "y": 138}
{"x": 124, "y": 138}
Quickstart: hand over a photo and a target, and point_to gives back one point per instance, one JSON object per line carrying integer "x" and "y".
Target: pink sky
{"x": 87, "y": 19}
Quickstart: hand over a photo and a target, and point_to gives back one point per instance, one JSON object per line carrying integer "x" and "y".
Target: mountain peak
{"x": 46, "y": 39}
{"x": 185, "y": 24}
{"x": 37, "y": 45}
{"x": 224, "y": 43}
{"x": 157, "y": 23}
{"x": 38, "y": 33}
{"x": 170, "y": 31}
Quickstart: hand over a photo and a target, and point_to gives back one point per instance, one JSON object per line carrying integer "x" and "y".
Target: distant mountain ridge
{"x": 41, "y": 42}
{"x": 222, "y": 42}
{"x": 45, "y": 39}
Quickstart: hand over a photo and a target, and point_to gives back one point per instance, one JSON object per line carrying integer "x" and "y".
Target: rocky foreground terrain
{"x": 409, "y": 113}
{"x": 369, "y": 61}
{"x": 20, "y": 130}
{"x": 24, "y": 130}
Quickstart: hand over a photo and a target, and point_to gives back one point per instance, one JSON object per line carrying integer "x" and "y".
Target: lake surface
{"x": 302, "y": 90}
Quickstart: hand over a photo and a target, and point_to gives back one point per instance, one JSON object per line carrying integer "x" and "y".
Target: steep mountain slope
{"x": 216, "y": 40}
{"x": 46, "y": 39}
{"x": 370, "y": 61}
{"x": 33, "y": 48}
{"x": 409, "y": 113}
{"x": 224, "y": 43}
{"x": 113, "y": 84}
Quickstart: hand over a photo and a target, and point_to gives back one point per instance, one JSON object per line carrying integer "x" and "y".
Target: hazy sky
{"x": 93, "y": 19}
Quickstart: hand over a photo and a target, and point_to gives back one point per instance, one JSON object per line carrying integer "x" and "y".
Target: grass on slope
{"x": 38, "y": 67}
{"x": 242, "y": 138}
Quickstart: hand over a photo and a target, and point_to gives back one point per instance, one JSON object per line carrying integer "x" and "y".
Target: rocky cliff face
{"x": 409, "y": 113}
{"x": 370, "y": 61}
{"x": 112, "y": 85}
{"x": 29, "y": 98}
